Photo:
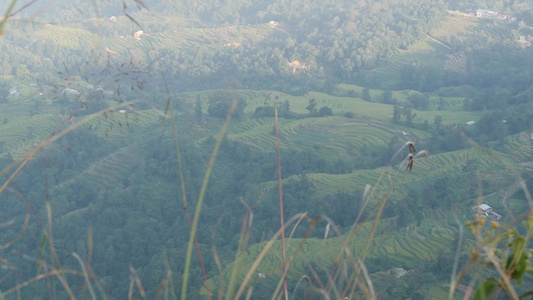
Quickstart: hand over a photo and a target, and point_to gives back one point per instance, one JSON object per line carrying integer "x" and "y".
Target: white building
{"x": 71, "y": 92}
{"x": 485, "y": 208}
{"x": 14, "y": 92}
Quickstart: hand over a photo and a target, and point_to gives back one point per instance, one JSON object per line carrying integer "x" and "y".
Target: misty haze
{"x": 247, "y": 149}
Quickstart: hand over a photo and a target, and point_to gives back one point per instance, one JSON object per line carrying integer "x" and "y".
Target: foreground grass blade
{"x": 265, "y": 250}
{"x": 170, "y": 109}
{"x": 85, "y": 275}
{"x": 283, "y": 252}
{"x": 201, "y": 200}
{"x": 6, "y": 16}
{"x": 43, "y": 243}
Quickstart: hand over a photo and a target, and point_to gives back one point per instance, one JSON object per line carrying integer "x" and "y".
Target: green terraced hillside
{"x": 434, "y": 166}
{"x": 406, "y": 248}
{"x": 21, "y": 132}
{"x": 376, "y": 112}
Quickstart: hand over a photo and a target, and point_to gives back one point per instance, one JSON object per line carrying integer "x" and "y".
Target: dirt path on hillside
{"x": 439, "y": 42}
{"x": 509, "y": 192}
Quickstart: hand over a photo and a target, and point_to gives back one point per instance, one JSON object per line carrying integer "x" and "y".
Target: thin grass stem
{"x": 262, "y": 254}
{"x": 456, "y": 260}
{"x": 201, "y": 200}
{"x": 170, "y": 109}
{"x": 85, "y": 275}
{"x": 283, "y": 253}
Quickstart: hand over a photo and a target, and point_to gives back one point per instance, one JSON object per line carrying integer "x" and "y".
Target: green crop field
{"x": 186, "y": 38}
{"x": 377, "y": 112}
{"x": 406, "y": 248}
{"x": 109, "y": 171}
{"x": 337, "y": 136}
{"x": 23, "y": 134}
{"x": 115, "y": 125}
{"x": 434, "y": 166}
{"x": 67, "y": 37}
{"x": 455, "y": 25}
{"x": 519, "y": 147}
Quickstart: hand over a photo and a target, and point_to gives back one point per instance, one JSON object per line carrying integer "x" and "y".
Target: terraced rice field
{"x": 337, "y": 137}
{"x": 431, "y": 167}
{"x": 67, "y": 37}
{"x": 520, "y": 147}
{"x": 11, "y": 113}
{"x": 407, "y": 57}
{"x": 190, "y": 38}
{"x": 454, "y": 25}
{"x": 408, "y": 248}
{"x": 180, "y": 39}
{"x": 377, "y": 112}
{"x": 115, "y": 125}
{"x": 109, "y": 171}
{"x": 472, "y": 28}
{"x": 256, "y": 133}
{"x": 22, "y": 135}
{"x": 456, "y": 62}
{"x": 434, "y": 50}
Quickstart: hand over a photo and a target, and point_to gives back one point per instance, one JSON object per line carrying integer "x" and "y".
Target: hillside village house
{"x": 485, "y": 210}
{"x": 14, "y": 92}
{"x": 71, "y": 92}
{"x": 490, "y": 14}
{"x": 484, "y": 13}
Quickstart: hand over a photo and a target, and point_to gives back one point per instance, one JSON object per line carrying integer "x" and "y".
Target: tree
{"x": 312, "y": 107}
{"x": 366, "y": 95}
{"x": 442, "y": 104}
{"x": 397, "y": 116}
{"x": 419, "y": 100}
{"x": 325, "y": 111}
{"x": 220, "y": 105}
{"x": 437, "y": 122}
{"x": 349, "y": 115}
{"x": 408, "y": 115}
{"x": 6, "y": 68}
{"x": 198, "y": 109}
{"x": 386, "y": 97}
{"x": 22, "y": 72}
{"x": 285, "y": 107}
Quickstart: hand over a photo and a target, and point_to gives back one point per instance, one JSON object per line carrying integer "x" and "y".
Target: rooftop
{"x": 485, "y": 206}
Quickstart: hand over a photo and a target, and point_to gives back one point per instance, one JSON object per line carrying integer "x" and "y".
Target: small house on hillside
{"x": 485, "y": 211}
{"x": 485, "y": 13}
{"x": 14, "y": 92}
{"x": 485, "y": 208}
{"x": 470, "y": 123}
{"x": 71, "y": 92}
{"x": 137, "y": 35}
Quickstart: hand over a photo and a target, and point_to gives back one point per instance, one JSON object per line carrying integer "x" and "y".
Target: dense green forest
{"x": 128, "y": 120}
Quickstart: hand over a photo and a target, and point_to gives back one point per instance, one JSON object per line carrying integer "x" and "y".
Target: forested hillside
{"x": 395, "y": 120}
{"x": 204, "y": 45}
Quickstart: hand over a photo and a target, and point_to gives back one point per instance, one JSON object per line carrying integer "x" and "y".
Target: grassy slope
{"x": 179, "y": 35}
{"x": 21, "y": 131}
{"x": 406, "y": 248}
{"x": 435, "y": 50}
